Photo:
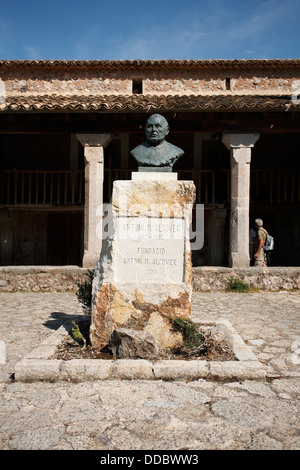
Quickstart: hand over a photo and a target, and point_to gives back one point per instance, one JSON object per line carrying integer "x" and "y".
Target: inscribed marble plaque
{"x": 149, "y": 249}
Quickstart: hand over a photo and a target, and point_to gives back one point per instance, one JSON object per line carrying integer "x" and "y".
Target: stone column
{"x": 94, "y": 145}
{"x": 216, "y": 236}
{"x": 240, "y": 145}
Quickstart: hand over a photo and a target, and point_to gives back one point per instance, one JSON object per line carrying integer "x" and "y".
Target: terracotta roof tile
{"x": 149, "y": 103}
{"x": 137, "y": 64}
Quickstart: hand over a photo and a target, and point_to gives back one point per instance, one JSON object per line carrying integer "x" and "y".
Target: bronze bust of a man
{"x": 156, "y": 154}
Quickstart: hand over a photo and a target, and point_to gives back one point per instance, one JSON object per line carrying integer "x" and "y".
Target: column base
{"x": 238, "y": 260}
{"x": 89, "y": 260}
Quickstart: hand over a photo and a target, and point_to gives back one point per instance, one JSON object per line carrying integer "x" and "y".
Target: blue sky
{"x": 165, "y": 29}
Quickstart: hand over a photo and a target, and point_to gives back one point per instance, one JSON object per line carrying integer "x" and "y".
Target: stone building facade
{"x": 67, "y": 128}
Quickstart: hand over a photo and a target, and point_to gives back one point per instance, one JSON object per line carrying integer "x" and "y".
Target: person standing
{"x": 252, "y": 236}
{"x": 260, "y": 258}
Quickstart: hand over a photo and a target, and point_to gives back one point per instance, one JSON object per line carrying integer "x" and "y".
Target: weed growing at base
{"x": 193, "y": 339}
{"x": 237, "y": 285}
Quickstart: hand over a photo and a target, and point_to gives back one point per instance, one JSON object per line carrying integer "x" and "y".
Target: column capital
{"x": 94, "y": 140}
{"x": 237, "y": 140}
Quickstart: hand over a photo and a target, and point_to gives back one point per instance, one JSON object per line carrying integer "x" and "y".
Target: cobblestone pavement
{"x": 133, "y": 415}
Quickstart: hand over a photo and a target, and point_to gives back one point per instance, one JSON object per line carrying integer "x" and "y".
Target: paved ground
{"x": 125, "y": 415}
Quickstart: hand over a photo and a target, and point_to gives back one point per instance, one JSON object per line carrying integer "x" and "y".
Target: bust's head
{"x": 157, "y": 128}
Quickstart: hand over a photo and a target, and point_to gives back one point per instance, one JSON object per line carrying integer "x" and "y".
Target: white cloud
{"x": 215, "y": 29}
{"x": 160, "y": 42}
{"x": 32, "y": 53}
{"x": 262, "y": 18}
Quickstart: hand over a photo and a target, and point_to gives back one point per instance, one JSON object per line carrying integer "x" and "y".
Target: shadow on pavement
{"x": 59, "y": 319}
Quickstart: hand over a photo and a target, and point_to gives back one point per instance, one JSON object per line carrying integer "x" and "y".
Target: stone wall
{"x": 41, "y": 278}
{"x": 65, "y": 278}
{"x": 67, "y": 79}
{"x": 271, "y": 279}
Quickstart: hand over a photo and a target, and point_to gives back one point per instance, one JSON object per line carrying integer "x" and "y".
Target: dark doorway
{"x": 64, "y": 238}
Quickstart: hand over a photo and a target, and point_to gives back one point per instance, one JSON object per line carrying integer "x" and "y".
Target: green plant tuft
{"x": 84, "y": 293}
{"x": 192, "y": 338}
{"x": 237, "y": 285}
{"x": 77, "y": 333}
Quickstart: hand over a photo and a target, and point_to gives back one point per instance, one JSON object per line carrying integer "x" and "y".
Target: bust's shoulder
{"x": 141, "y": 148}
{"x": 173, "y": 148}
{"x": 164, "y": 154}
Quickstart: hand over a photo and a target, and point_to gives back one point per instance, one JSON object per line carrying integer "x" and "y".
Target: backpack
{"x": 269, "y": 243}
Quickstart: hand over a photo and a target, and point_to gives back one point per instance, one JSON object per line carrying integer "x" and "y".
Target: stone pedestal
{"x": 240, "y": 146}
{"x": 144, "y": 275}
{"x": 94, "y": 145}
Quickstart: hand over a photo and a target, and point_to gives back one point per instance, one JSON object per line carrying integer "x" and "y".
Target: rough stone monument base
{"x": 144, "y": 275}
{"x": 41, "y": 364}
